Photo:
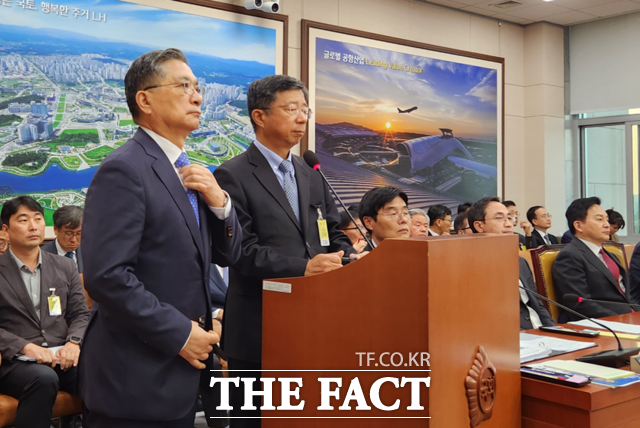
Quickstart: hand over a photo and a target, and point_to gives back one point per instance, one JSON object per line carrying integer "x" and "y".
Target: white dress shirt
{"x": 173, "y": 153}
{"x": 62, "y": 252}
{"x": 533, "y": 315}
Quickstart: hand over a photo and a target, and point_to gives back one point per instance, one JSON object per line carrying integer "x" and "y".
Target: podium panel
{"x": 436, "y": 299}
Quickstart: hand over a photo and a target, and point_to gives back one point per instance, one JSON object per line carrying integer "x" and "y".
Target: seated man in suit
{"x": 42, "y": 305}
{"x": 67, "y": 225}
{"x": 352, "y": 230}
{"x": 488, "y": 215}
{"x": 419, "y": 223}
{"x": 385, "y": 214}
{"x": 525, "y": 225}
{"x": 439, "y": 220}
{"x": 461, "y": 225}
{"x": 584, "y": 268}
{"x": 541, "y": 221}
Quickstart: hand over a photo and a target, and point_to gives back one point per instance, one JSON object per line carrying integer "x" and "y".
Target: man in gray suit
{"x": 42, "y": 305}
{"x": 67, "y": 225}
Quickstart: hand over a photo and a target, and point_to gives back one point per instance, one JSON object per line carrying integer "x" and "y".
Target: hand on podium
{"x": 322, "y": 263}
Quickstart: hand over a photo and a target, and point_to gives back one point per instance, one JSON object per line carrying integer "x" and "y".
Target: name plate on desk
{"x": 276, "y": 286}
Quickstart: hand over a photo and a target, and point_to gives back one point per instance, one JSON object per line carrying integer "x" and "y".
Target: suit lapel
{"x": 268, "y": 179}
{"x": 46, "y": 282}
{"x": 596, "y": 262}
{"x": 168, "y": 177}
{"x": 11, "y": 274}
{"x": 304, "y": 192}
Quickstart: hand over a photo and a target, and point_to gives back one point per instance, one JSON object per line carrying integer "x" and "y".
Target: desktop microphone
{"x": 312, "y": 160}
{"x": 574, "y": 299}
{"x": 617, "y": 358}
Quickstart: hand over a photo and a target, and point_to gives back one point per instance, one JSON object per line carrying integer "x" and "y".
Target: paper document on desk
{"x": 618, "y": 327}
{"x": 21, "y": 357}
{"x": 534, "y": 347}
{"x": 586, "y": 369}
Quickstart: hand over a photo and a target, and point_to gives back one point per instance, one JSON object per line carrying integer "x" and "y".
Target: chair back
{"x": 617, "y": 249}
{"x": 526, "y": 254}
{"x": 628, "y": 251}
{"x": 542, "y": 259}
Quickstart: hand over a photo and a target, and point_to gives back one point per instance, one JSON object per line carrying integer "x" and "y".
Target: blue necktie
{"x": 183, "y": 160}
{"x": 69, "y": 254}
{"x": 290, "y": 187}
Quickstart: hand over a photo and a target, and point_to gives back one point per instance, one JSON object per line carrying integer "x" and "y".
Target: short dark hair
{"x": 262, "y": 93}
{"x": 458, "y": 223}
{"x": 147, "y": 71}
{"x": 477, "y": 210}
{"x": 509, "y": 204}
{"x": 437, "y": 211}
{"x": 577, "y": 211}
{"x": 70, "y": 216}
{"x": 531, "y": 213}
{"x": 616, "y": 218}
{"x": 345, "y": 220}
{"x": 13, "y": 205}
{"x": 375, "y": 199}
{"x": 464, "y": 207}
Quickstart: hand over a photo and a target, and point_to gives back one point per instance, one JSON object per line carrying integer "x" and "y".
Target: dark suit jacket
{"x": 634, "y": 274}
{"x": 217, "y": 288}
{"x": 535, "y": 240}
{"x": 577, "y": 270}
{"x": 51, "y": 247}
{"x": 566, "y": 237}
{"x": 19, "y": 323}
{"x": 274, "y": 244}
{"x": 147, "y": 266}
{"x": 534, "y": 302}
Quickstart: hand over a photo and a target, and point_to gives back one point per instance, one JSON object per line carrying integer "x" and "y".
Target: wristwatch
{"x": 75, "y": 339}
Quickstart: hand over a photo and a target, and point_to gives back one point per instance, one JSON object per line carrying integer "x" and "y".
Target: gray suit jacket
{"x": 19, "y": 323}
{"x": 51, "y": 247}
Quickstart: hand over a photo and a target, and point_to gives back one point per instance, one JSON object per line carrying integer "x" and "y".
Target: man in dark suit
{"x": 525, "y": 225}
{"x": 385, "y": 214}
{"x": 153, "y": 224}
{"x": 42, "y": 305}
{"x": 282, "y": 203}
{"x": 541, "y": 221}
{"x": 67, "y": 225}
{"x": 586, "y": 269}
{"x": 439, "y": 220}
{"x": 634, "y": 273}
{"x": 489, "y": 215}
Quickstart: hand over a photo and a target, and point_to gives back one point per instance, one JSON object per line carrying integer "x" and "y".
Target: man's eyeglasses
{"x": 70, "y": 235}
{"x": 350, "y": 228}
{"x": 393, "y": 215}
{"x": 501, "y": 218}
{"x": 545, "y": 216}
{"x": 294, "y": 110}
{"x": 189, "y": 88}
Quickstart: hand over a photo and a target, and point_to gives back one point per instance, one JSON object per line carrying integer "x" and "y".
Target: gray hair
{"x": 262, "y": 93}
{"x": 70, "y": 216}
{"x": 418, "y": 211}
{"x": 147, "y": 71}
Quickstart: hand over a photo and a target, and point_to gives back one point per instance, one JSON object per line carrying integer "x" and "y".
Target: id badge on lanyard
{"x": 322, "y": 229}
{"x": 55, "y": 308}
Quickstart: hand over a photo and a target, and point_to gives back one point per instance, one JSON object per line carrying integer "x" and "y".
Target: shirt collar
{"x": 21, "y": 264}
{"x": 61, "y": 251}
{"x": 273, "y": 158}
{"x": 433, "y": 233}
{"x": 543, "y": 234}
{"x": 593, "y": 247}
{"x": 170, "y": 150}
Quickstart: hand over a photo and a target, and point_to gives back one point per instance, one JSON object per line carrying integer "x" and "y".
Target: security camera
{"x": 271, "y": 6}
{"x": 252, "y": 4}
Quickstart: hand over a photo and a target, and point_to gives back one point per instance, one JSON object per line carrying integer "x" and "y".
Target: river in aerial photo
{"x": 53, "y": 179}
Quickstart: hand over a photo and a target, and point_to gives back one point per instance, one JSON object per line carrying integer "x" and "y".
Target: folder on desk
{"x": 587, "y": 369}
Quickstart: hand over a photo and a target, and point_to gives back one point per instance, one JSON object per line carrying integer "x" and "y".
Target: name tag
{"x": 323, "y": 231}
{"x": 55, "y": 307}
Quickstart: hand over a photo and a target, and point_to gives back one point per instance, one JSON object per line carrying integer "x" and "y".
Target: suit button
{"x": 229, "y": 232}
{"x": 527, "y": 317}
{"x": 43, "y": 332}
{"x": 308, "y": 246}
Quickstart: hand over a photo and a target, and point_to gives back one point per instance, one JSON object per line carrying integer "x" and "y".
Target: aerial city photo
{"x": 426, "y": 125}
{"x": 62, "y": 101}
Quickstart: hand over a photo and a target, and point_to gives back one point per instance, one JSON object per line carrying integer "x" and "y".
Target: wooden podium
{"x": 445, "y": 296}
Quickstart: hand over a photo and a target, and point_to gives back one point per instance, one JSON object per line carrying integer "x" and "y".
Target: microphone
{"x": 574, "y": 298}
{"x": 312, "y": 160}
{"x": 616, "y": 358}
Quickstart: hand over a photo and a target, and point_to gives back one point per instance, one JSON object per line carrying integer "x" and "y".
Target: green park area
{"x": 26, "y": 161}
{"x": 120, "y": 110}
{"x": 98, "y": 153}
{"x": 59, "y": 117}
{"x": 26, "y": 99}
{"x": 72, "y": 160}
{"x": 7, "y": 119}
{"x": 126, "y": 122}
{"x": 74, "y": 138}
{"x": 61, "y": 107}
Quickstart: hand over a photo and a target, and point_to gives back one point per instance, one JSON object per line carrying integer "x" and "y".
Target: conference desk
{"x": 547, "y": 405}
